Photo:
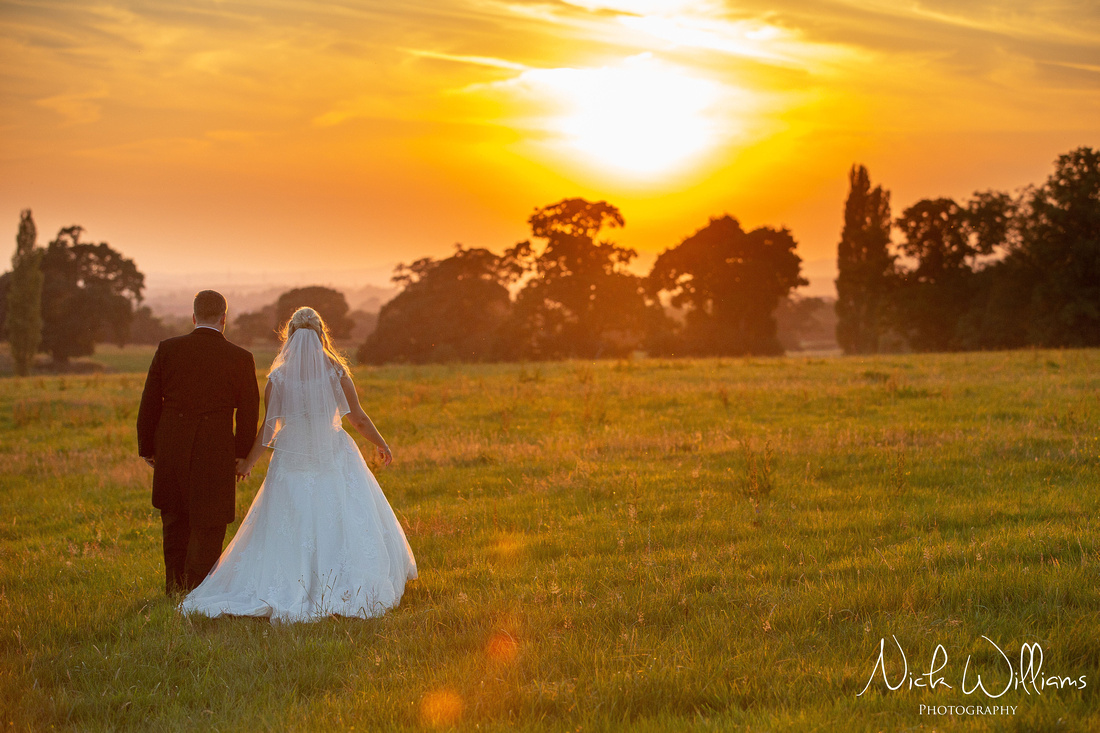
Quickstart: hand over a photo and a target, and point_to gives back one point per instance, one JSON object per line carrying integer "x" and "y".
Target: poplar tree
{"x": 24, "y": 315}
{"x": 865, "y": 267}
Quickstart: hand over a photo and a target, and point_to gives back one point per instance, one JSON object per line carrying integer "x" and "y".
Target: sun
{"x": 639, "y": 118}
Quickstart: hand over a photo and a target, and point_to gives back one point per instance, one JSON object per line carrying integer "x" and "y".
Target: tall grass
{"x": 665, "y": 545}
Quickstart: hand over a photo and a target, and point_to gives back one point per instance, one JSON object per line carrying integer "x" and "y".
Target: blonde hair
{"x": 306, "y": 317}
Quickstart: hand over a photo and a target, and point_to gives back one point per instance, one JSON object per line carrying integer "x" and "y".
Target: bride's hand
{"x": 243, "y": 469}
{"x": 385, "y": 454}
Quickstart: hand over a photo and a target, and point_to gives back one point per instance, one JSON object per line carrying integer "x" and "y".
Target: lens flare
{"x": 502, "y": 647}
{"x": 441, "y": 708}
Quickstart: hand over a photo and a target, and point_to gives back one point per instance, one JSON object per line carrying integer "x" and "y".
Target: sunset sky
{"x": 294, "y": 140}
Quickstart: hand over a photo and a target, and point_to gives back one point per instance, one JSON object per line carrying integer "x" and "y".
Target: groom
{"x": 185, "y": 429}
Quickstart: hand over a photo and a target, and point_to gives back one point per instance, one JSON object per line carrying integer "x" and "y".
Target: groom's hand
{"x": 151, "y": 460}
{"x": 242, "y": 469}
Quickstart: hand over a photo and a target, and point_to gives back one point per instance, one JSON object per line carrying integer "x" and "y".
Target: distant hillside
{"x": 177, "y": 301}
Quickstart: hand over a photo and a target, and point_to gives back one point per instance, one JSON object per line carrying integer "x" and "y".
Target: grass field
{"x": 110, "y": 359}
{"x": 137, "y": 358}
{"x": 652, "y": 545}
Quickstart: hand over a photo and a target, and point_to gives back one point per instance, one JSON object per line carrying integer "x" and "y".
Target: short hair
{"x": 210, "y": 305}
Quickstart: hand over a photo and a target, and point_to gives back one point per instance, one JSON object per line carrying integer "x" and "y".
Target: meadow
{"x": 647, "y": 545}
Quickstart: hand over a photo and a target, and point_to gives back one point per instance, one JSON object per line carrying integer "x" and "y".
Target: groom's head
{"x": 210, "y": 307}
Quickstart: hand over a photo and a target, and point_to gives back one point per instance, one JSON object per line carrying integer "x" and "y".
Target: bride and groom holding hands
{"x": 320, "y": 538}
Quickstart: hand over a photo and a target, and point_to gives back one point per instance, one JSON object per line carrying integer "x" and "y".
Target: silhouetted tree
{"x": 1059, "y": 253}
{"x": 996, "y": 314}
{"x": 806, "y": 323}
{"x": 580, "y": 300}
{"x": 330, "y": 304}
{"x": 937, "y": 291}
{"x": 730, "y": 282}
{"x": 258, "y": 325}
{"x": 866, "y": 272}
{"x": 365, "y": 323}
{"x": 999, "y": 313}
{"x": 448, "y": 310}
{"x": 5, "y": 283}
{"x": 89, "y": 289}
{"x": 946, "y": 241}
{"x": 23, "y": 319}
{"x": 146, "y": 328}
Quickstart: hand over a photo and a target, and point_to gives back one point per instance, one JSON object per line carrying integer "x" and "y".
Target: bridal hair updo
{"x": 306, "y": 317}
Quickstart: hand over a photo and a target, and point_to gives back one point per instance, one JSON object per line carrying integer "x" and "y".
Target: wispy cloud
{"x": 76, "y": 108}
{"x": 488, "y": 61}
{"x": 521, "y": 89}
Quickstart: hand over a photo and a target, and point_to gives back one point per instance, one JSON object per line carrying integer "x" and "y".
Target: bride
{"x": 320, "y": 538}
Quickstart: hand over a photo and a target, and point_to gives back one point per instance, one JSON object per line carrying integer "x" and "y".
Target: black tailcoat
{"x": 186, "y": 421}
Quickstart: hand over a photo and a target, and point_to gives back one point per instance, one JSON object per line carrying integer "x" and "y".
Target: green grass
{"x": 110, "y": 359}
{"x": 135, "y": 358}
{"x": 664, "y": 545}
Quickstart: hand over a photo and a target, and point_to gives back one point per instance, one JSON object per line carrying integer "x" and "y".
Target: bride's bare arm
{"x": 244, "y": 465}
{"x": 361, "y": 422}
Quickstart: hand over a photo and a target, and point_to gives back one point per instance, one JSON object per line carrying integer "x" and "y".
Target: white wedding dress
{"x": 320, "y": 539}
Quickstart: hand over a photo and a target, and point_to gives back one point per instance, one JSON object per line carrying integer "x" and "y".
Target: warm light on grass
{"x": 655, "y": 544}
{"x": 508, "y": 548}
{"x": 441, "y": 709}
{"x": 502, "y": 647}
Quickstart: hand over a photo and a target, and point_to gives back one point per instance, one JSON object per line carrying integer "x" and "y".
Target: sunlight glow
{"x": 640, "y": 117}
{"x": 252, "y": 127}
{"x": 441, "y": 708}
{"x": 748, "y": 39}
{"x": 502, "y": 648}
{"x": 642, "y": 7}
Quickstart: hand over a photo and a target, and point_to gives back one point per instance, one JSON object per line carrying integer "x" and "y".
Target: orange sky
{"x": 313, "y": 140}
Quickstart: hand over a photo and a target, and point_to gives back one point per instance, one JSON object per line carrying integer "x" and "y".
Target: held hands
{"x": 244, "y": 466}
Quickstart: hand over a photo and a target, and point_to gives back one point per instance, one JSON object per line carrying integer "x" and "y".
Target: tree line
{"x": 995, "y": 272}
{"x": 567, "y": 293}
{"x": 64, "y": 298}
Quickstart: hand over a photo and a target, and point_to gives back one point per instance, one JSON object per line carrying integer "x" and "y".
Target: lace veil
{"x": 307, "y": 403}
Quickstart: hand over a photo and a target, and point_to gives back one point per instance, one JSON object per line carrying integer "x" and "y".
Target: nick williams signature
{"x": 1028, "y": 675}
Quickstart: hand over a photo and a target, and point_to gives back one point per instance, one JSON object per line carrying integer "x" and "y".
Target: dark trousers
{"x": 189, "y": 552}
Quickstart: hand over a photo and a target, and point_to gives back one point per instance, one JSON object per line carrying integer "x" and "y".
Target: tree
{"x": 730, "y": 282}
{"x": 946, "y": 240}
{"x": 999, "y": 313}
{"x": 579, "y": 299}
{"x": 23, "y": 318}
{"x": 365, "y": 323}
{"x": 257, "y": 325}
{"x": 866, "y": 272}
{"x": 806, "y": 323}
{"x": 5, "y": 285}
{"x": 1059, "y": 252}
{"x": 89, "y": 290}
{"x": 330, "y": 304}
{"x": 146, "y": 328}
{"x": 449, "y": 309}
